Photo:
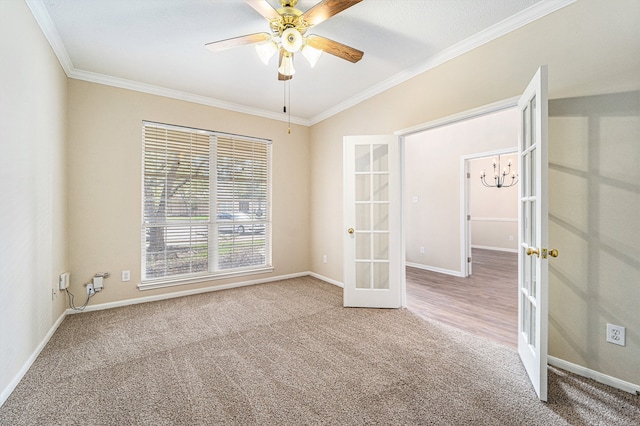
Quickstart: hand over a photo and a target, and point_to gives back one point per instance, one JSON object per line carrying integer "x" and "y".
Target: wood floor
{"x": 485, "y": 303}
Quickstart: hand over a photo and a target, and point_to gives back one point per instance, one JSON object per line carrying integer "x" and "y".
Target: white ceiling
{"x": 157, "y": 46}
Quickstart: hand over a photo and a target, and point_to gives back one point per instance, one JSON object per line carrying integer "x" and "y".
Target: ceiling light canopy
{"x": 291, "y": 40}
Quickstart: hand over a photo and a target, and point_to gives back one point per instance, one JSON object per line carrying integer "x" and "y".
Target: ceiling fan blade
{"x": 334, "y": 48}
{"x": 325, "y": 10}
{"x": 264, "y": 9}
{"x": 218, "y": 46}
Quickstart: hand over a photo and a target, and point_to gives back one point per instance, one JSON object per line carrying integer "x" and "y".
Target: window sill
{"x": 170, "y": 282}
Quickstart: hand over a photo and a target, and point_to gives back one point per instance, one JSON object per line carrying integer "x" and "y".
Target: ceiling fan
{"x": 288, "y": 34}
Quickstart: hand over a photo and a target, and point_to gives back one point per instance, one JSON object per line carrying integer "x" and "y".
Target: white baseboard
{"x": 435, "y": 269}
{"x": 329, "y": 280}
{"x": 595, "y": 375}
{"x": 176, "y": 294}
{"x": 12, "y": 385}
{"x": 495, "y": 248}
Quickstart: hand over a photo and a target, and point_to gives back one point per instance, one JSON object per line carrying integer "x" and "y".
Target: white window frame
{"x": 215, "y": 226}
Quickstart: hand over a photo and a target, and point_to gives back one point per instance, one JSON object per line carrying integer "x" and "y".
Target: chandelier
{"x": 499, "y": 177}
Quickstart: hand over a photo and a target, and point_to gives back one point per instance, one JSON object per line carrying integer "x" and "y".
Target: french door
{"x": 374, "y": 269}
{"x": 533, "y": 232}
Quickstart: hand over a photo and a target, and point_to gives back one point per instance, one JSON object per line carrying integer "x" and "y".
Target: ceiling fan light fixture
{"x": 291, "y": 40}
{"x": 286, "y": 64}
{"x": 266, "y": 51}
{"x": 311, "y": 54}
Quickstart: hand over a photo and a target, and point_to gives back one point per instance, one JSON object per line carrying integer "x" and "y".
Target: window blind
{"x": 205, "y": 202}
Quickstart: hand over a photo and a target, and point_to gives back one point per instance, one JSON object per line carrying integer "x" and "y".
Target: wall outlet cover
{"x": 616, "y": 334}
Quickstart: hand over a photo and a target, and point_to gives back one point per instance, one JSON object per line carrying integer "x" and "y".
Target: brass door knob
{"x": 532, "y": 251}
{"x": 553, "y": 253}
{"x": 351, "y": 230}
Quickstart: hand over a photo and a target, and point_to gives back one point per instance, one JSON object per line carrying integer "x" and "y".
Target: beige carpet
{"x": 288, "y": 353}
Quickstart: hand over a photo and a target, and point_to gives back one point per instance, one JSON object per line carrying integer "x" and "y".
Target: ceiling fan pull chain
{"x": 289, "y": 85}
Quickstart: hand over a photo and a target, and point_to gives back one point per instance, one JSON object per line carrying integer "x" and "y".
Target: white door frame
{"x": 465, "y": 208}
{"x": 463, "y": 116}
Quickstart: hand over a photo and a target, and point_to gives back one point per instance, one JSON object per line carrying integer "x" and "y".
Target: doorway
{"x": 479, "y": 296}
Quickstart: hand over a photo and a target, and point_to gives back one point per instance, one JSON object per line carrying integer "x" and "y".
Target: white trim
{"x": 25, "y": 367}
{"x": 182, "y": 96}
{"x": 172, "y": 282}
{"x": 595, "y": 375}
{"x": 531, "y": 14}
{"x": 183, "y": 293}
{"x": 515, "y": 250}
{"x": 42, "y": 17}
{"x": 435, "y": 269}
{"x": 494, "y": 219}
{"x": 462, "y": 116}
{"x": 326, "y": 279}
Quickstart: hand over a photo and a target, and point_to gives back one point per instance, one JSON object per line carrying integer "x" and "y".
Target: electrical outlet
{"x": 421, "y": 250}
{"x": 616, "y": 334}
{"x": 324, "y": 258}
{"x": 90, "y": 290}
{"x": 63, "y": 281}
{"x": 126, "y": 275}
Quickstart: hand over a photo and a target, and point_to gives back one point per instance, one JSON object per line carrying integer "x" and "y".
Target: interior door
{"x": 373, "y": 275}
{"x": 533, "y": 233}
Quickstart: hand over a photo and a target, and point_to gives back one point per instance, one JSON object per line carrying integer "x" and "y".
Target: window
{"x": 206, "y": 204}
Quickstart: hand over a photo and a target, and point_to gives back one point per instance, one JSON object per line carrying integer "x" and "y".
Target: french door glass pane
{"x": 532, "y": 172}
{"x": 532, "y": 325}
{"x": 363, "y": 158}
{"x": 526, "y": 124}
{"x": 381, "y": 217}
{"x": 525, "y": 320}
{"x": 363, "y": 216}
{"x": 363, "y": 246}
{"x": 525, "y": 175}
{"x": 380, "y": 158}
{"x": 381, "y": 246}
{"x": 381, "y": 275}
{"x": 381, "y": 187}
{"x": 363, "y": 275}
{"x": 532, "y": 227}
{"x": 363, "y": 187}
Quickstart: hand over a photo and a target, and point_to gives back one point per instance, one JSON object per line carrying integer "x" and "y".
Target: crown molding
{"x": 531, "y": 14}
{"x": 180, "y": 95}
{"x": 40, "y": 13}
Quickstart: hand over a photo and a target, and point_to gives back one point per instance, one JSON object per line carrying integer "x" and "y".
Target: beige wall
{"x": 594, "y": 199}
{"x": 105, "y": 156}
{"x": 33, "y": 231}
{"x": 591, "y": 47}
{"x": 433, "y": 176}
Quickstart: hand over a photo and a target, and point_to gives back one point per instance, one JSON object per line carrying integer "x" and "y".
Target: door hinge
{"x": 468, "y": 260}
{"x": 468, "y": 175}
{"x": 468, "y": 217}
